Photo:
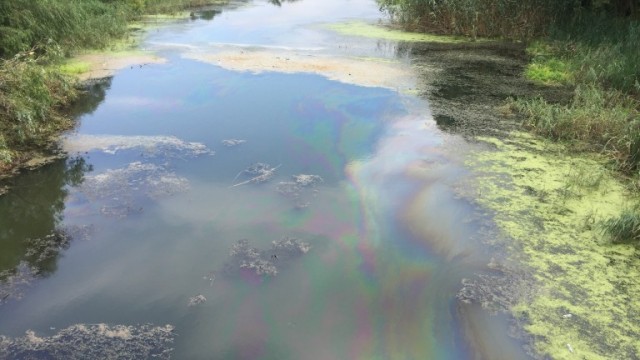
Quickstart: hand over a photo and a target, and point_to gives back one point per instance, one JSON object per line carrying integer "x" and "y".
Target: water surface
{"x": 147, "y": 224}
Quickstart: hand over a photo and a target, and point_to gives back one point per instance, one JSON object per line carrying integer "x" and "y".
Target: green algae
{"x": 363, "y": 29}
{"x": 549, "y": 205}
{"x": 74, "y": 67}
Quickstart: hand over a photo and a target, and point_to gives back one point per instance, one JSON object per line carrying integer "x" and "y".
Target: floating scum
{"x": 346, "y": 70}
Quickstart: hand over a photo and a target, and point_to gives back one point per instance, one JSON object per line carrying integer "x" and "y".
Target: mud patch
{"x": 346, "y": 70}
{"x": 122, "y": 191}
{"x": 468, "y": 85}
{"x": 252, "y": 261}
{"x": 95, "y": 341}
{"x": 149, "y": 146}
{"x": 300, "y": 190}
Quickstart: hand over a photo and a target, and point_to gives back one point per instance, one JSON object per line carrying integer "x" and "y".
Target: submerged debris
{"x": 196, "y": 300}
{"x": 233, "y": 142}
{"x": 290, "y": 247}
{"x": 299, "y": 189}
{"x": 97, "y": 341}
{"x": 121, "y": 190}
{"x": 150, "y": 146}
{"x": 260, "y": 267}
{"x": 263, "y": 262}
{"x": 257, "y": 173}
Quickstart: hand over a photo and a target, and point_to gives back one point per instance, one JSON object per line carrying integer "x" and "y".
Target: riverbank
{"x": 585, "y": 63}
{"x": 39, "y": 85}
{"x": 557, "y": 126}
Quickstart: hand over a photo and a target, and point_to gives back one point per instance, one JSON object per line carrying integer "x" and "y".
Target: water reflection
{"x": 94, "y": 93}
{"x": 280, "y": 2}
{"x": 31, "y": 236}
{"x": 208, "y": 15}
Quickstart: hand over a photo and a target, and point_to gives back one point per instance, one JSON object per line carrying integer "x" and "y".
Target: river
{"x": 272, "y": 189}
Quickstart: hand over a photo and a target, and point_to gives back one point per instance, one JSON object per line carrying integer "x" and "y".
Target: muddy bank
{"x": 468, "y": 85}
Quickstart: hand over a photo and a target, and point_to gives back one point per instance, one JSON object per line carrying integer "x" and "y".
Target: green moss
{"x": 363, "y": 29}
{"x": 549, "y": 204}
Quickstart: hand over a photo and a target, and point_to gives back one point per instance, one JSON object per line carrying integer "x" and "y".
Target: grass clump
{"x": 624, "y": 228}
{"x": 549, "y": 72}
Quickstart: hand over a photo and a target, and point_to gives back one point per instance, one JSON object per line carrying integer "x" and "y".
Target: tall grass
{"x": 594, "y": 120}
{"x": 75, "y": 24}
{"x": 599, "y": 57}
{"x": 168, "y": 6}
{"x": 32, "y": 97}
{"x": 487, "y": 18}
{"x": 601, "y": 49}
{"x": 70, "y": 23}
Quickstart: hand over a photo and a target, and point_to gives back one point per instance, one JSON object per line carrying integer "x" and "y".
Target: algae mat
{"x": 549, "y": 206}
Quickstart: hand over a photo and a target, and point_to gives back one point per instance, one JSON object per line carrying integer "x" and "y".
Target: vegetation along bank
{"x": 36, "y": 88}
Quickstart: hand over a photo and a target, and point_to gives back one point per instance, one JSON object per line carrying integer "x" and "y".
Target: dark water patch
{"x": 93, "y": 94}
{"x": 32, "y": 232}
{"x": 280, "y": 2}
{"x": 205, "y": 14}
{"x": 33, "y": 209}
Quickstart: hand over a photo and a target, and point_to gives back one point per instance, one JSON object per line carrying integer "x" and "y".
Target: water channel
{"x": 160, "y": 216}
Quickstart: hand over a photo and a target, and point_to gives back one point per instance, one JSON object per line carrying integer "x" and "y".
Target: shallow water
{"x": 149, "y": 213}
